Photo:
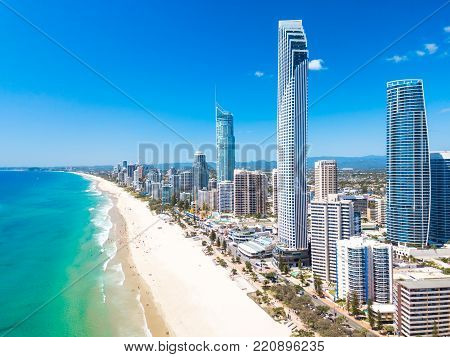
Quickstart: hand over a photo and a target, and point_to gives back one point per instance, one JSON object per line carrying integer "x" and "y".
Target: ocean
{"x": 58, "y": 276}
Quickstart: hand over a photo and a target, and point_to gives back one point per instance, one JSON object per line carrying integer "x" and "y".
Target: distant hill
{"x": 371, "y": 162}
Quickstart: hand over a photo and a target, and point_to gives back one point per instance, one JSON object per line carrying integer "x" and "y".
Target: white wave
{"x": 118, "y": 270}
{"x": 147, "y": 332}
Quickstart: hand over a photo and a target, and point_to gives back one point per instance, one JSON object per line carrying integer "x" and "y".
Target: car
{"x": 315, "y": 297}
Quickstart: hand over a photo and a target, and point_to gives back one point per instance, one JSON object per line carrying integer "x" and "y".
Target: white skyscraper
{"x": 291, "y": 139}
{"x": 364, "y": 268}
{"x": 331, "y": 220}
{"x": 325, "y": 178}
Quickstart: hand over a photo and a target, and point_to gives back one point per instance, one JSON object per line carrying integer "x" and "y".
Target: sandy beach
{"x": 181, "y": 289}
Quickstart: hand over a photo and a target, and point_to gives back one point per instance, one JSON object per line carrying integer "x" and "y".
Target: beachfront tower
{"x": 440, "y": 198}
{"x": 225, "y": 143}
{"x": 199, "y": 172}
{"x": 408, "y": 164}
{"x": 291, "y": 137}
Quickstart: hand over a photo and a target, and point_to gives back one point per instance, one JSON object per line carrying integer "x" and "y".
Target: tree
{"x": 238, "y": 259}
{"x": 224, "y": 245}
{"x": 318, "y": 285}
{"x": 233, "y": 271}
{"x": 354, "y": 304}
{"x": 370, "y": 316}
{"x": 248, "y": 266}
{"x": 435, "y": 329}
{"x": 212, "y": 236}
{"x": 300, "y": 264}
{"x": 173, "y": 200}
{"x": 379, "y": 321}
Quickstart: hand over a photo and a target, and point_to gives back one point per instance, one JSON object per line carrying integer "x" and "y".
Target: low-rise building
{"x": 422, "y": 307}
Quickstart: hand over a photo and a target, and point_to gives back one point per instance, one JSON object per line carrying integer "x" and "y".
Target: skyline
{"x": 44, "y": 84}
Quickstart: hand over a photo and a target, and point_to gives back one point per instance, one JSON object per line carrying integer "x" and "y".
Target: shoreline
{"x": 182, "y": 291}
{"x": 133, "y": 281}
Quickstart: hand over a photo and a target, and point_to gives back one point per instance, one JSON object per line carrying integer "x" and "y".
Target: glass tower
{"x": 199, "y": 172}
{"x": 440, "y": 198}
{"x": 225, "y": 145}
{"x": 408, "y": 164}
{"x": 291, "y": 134}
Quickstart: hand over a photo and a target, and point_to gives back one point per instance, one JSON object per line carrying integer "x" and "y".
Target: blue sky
{"x": 170, "y": 55}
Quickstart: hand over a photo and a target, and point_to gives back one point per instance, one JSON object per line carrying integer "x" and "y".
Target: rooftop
{"x": 426, "y": 283}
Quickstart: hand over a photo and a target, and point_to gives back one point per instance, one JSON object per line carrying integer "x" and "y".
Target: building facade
{"x": 331, "y": 220}
{"x": 364, "y": 268}
{"x": 250, "y": 192}
{"x": 325, "y": 179}
{"x": 225, "y": 143}
{"x": 408, "y": 164}
{"x": 440, "y": 198}
{"x": 422, "y": 307}
{"x": 199, "y": 172}
{"x": 186, "y": 181}
{"x": 226, "y": 197}
{"x": 291, "y": 135}
{"x": 275, "y": 191}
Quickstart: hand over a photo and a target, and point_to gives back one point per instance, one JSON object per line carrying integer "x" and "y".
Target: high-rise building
{"x": 203, "y": 199}
{"x": 408, "y": 164}
{"x": 213, "y": 199}
{"x": 440, "y": 198}
{"x": 275, "y": 191}
{"x": 212, "y": 184}
{"x": 186, "y": 181}
{"x": 422, "y": 307}
{"x": 199, "y": 172}
{"x": 325, "y": 178}
{"x": 292, "y": 113}
{"x": 376, "y": 211}
{"x": 226, "y": 197}
{"x": 364, "y": 268}
{"x": 174, "y": 180}
{"x": 331, "y": 220}
{"x": 250, "y": 192}
{"x": 225, "y": 144}
{"x": 166, "y": 194}
{"x": 156, "y": 190}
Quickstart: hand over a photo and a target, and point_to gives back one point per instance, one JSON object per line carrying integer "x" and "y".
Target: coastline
{"x": 182, "y": 292}
{"x": 132, "y": 280}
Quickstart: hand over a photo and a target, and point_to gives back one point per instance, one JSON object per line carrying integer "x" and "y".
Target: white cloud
{"x": 316, "y": 65}
{"x": 397, "y": 58}
{"x": 447, "y": 28}
{"x": 431, "y": 48}
{"x": 445, "y": 110}
{"x": 259, "y": 74}
{"x": 420, "y": 53}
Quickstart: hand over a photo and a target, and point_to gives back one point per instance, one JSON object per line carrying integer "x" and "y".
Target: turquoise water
{"x": 54, "y": 260}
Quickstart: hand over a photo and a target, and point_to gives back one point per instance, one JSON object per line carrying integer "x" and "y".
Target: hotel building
{"x": 292, "y": 116}
{"x": 331, "y": 220}
{"x": 325, "y": 179}
{"x": 250, "y": 192}
{"x": 408, "y": 164}
{"x": 226, "y": 197}
{"x": 225, "y": 143}
{"x": 422, "y": 307}
{"x": 364, "y": 267}
{"x": 440, "y": 198}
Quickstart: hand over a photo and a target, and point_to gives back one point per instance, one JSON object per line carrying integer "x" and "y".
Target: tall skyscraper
{"x": 199, "y": 172}
{"x": 291, "y": 139}
{"x": 440, "y": 198}
{"x": 225, "y": 143}
{"x": 325, "y": 179}
{"x": 408, "y": 164}
{"x": 275, "y": 191}
{"x": 331, "y": 220}
{"x": 250, "y": 192}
